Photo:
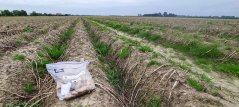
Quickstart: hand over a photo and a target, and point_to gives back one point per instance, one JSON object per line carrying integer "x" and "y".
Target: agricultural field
{"x": 135, "y": 61}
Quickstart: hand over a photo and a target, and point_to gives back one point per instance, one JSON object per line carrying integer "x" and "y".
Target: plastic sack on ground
{"x": 72, "y": 78}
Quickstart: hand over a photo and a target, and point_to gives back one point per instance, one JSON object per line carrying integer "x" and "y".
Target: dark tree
{"x": 165, "y": 14}
{"x": 34, "y": 13}
{"x": 172, "y": 15}
{"x": 16, "y": 13}
{"x": 6, "y": 13}
{"x": 159, "y": 14}
{"x": 13, "y": 13}
{"x": 23, "y": 13}
{"x": 49, "y": 14}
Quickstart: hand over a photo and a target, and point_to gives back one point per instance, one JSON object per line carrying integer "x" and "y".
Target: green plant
{"x": 18, "y": 43}
{"x": 39, "y": 65}
{"x": 204, "y": 51}
{"x": 29, "y": 88}
{"x": 205, "y": 78}
{"x": 132, "y": 42}
{"x": 145, "y": 34}
{"x": 102, "y": 48}
{"x": 134, "y": 31}
{"x": 154, "y": 37}
{"x": 21, "y": 104}
{"x": 185, "y": 66}
{"x": 101, "y": 28}
{"x": 231, "y": 68}
{"x": 153, "y": 63}
{"x": 124, "y": 28}
{"x": 95, "y": 38}
{"x": 114, "y": 77}
{"x": 228, "y": 48}
{"x": 10, "y": 105}
{"x": 124, "y": 53}
{"x": 145, "y": 49}
{"x": 116, "y": 25}
{"x": 154, "y": 102}
{"x": 196, "y": 49}
{"x": 182, "y": 65}
{"x": 154, "y": 55}
{"x": 204, "y": 64}
{"x": 28, "y": 29}
{"x": 56, "y": 50}
{"x": 67, "y": 34}
{"x": 19, "y": 57}
{"x": 101, "y": 58}
{"x": 195, "y": 84}
{"x": 42, "y": 31}
{"x": 41, "y": 54}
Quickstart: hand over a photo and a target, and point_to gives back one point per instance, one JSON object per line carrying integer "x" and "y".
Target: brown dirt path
{"x": 81, "y": 47}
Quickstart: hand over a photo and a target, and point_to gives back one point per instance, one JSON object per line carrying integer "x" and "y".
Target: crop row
{"x": 13, "y": 42}
{"x": 80, "y": 48}
{"x": 32, "y": 83}
{"x": 136, "y": 71}
{"x": 9, "y": 28}
{"x": 205, "y": 55}
{"x": 227, "y": 44}
{"x": 222, "y": 28}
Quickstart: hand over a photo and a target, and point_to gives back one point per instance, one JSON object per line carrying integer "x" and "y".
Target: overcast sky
{"x": 126, "y": 7}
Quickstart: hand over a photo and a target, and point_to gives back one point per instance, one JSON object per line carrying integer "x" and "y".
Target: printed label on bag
{"x": 59, "y": 70}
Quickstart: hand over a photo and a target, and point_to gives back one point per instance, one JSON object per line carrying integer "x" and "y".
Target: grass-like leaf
{"x": 145, "y": 49}
{"x": 56, "y": 50}
{"x": 19, "y": 57}
{"x": 195, "y": 84}
{"x": 124, "y": 53}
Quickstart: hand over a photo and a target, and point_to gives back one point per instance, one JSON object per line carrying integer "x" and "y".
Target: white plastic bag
{"x": 72, "y": 78}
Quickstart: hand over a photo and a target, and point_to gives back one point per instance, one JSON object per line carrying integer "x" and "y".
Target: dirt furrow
{"x": 16, "y": 74}
{"x": 11, "y": 43}
{"x": 13, "y": 26}
{"x": 80, "y": 48}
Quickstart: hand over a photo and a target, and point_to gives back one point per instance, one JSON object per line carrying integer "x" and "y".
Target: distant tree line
{"x": 34, "y": 13}
{"x": 24, "y": 13}
{"x": 13, "y": 13}
{"x": 164, "y": 14}
{"x": 216, "y": 17}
